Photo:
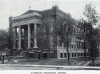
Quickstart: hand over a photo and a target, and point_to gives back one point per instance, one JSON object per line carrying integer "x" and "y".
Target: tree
{"x": 46, "y": 33}
{"x": 91, "y": 13}
{"x": 93, "y": 41}
{"x": 64, "y": 31}
{"x": 10, "y": 41}
{"x": 82, "y": 25}
{"x": 92, "y": 34}
{"x": 6, "y": 40}
{"x": 3, "y": 39}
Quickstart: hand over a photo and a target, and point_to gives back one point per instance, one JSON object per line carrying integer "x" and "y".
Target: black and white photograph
{"x": 50, "y": 35}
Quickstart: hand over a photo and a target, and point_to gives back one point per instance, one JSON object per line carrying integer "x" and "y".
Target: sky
{"x": 17, "y": 7}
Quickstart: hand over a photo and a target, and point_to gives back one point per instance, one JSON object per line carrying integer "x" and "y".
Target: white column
{"x": 19, "y": 38}
{"x": 35, "y": 35}
{"x": 14, "y": 43}
{"x": 29, "y": 36}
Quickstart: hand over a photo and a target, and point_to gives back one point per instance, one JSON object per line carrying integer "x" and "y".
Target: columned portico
{"x": 26, "y": 41}
{"x": 19, "y": 38}
{"x": 28, "y": 36}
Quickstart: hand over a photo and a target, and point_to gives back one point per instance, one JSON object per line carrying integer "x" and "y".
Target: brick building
{"x": 35, "y": 37}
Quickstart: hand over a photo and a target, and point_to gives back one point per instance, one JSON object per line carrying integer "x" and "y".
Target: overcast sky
{"x": 17, "y": 7}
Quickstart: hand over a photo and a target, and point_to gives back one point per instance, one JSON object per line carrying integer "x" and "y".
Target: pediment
{"x": 36, "y": 14}
{"x": 29, "y": 13}
{"x": 32, "y": 12}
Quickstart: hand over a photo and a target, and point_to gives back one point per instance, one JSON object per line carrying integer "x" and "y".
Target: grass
{"x": 60, "y": 62}
{"x": 96, "y": 64}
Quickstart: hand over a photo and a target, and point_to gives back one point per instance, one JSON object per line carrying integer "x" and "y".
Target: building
{"x": 34, "y": 35}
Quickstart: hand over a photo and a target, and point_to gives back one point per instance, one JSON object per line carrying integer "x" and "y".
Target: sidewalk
{"x": 50, "y": 67}
{"x": 63, "y": 67}
{"x": 43, "y": 67}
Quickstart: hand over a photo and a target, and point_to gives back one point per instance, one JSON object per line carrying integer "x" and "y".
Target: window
{"x": 72, "y": 55}
{"x": 82, "y": 45}
{"x": 61, "y": 55}
{"x": 81, "y": 54}
{"x": 65, "y": 55}
{"x": 78, "y": 54}
{"x": 44, "y": 55}
{"x": 75, "y": 54}
{"x": 31, "y": 55}
{"x": 78, "y": 44}
{"x": 72, "y": 45}
{"x": 51, "y": 55}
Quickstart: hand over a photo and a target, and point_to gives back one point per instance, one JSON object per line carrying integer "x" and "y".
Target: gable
{"x": 32, "y": 13}
{"x": 29, "y": 13}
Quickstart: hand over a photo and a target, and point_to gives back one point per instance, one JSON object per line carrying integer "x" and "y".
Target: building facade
{"x": 34, "y": 35}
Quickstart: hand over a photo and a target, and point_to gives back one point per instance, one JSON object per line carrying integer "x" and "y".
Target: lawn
{"x": 94, "y": 64}
{"x": 59, "y": 62}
